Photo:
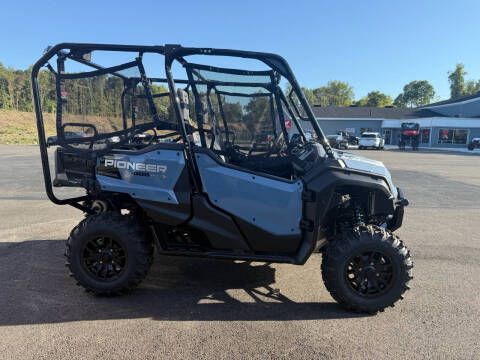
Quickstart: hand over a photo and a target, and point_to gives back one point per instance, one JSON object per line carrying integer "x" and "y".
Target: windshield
{"x": 369, "y": 136}
{"x": 410, "y": 126}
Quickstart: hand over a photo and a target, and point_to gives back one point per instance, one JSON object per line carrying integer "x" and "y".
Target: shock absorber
{"x": 358, "y": 216}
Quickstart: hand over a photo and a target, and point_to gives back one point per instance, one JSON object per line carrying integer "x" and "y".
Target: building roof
{"x": 454, "y": 101}
{"x": 465, "y": 106}
{"x": 370, "y": 112}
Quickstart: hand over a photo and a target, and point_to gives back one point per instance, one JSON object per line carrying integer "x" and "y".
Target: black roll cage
{"x": 76, "y": 51}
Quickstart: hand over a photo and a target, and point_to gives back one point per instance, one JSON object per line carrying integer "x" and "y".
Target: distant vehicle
{"x": 351, "y": 139}
{"x": 371, "y": 140}
{"x": 474, "y": 144}
{"x": 409, "y": 135}
{"x": 342, "y": 140}
{"x": 337, "y": 141}
{"x": 309, "y": 136}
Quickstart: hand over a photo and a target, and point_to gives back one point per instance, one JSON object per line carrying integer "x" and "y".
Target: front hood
{"x": 368, "y": 165}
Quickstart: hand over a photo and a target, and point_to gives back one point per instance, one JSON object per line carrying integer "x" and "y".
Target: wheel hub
{"x": 104, "y": 258}
{"x": 369, "y": 273}
{"x": 107, "y": 255}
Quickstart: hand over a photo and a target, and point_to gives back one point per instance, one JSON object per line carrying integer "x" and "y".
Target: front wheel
{"x": 367, "y": 269}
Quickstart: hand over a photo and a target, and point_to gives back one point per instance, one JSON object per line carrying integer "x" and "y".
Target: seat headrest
{"x": 183, "y": 100}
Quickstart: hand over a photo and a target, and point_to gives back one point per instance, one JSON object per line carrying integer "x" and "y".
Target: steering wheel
{"x": 296, "y": 141}
{"x": 276, "y": 146}
{"x": 138, "y": 141}
{"x": 296, "y": 144}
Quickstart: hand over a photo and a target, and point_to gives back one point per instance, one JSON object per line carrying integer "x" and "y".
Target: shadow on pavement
{"x": 35, "y": 288}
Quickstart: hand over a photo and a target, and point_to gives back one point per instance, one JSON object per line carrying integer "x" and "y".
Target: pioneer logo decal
{"x": 136, "y": 166}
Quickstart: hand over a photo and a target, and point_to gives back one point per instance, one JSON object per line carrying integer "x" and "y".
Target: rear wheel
{"x": 367, "y": 269}
{"x": 109, "y": 254}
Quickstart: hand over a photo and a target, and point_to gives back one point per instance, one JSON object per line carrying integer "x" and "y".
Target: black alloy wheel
{"x": 367, "y": 269}
{"x": 109, "y": 253}
{"x": 104, "y": 258}
{"x": 369, "y": 273}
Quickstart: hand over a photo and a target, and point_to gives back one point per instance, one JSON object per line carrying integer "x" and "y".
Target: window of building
{"x": 362, "y": 130}
{"x": 425, "y": 136}
{"x": 452, "y": 136}
{"x": 460, "y": 136}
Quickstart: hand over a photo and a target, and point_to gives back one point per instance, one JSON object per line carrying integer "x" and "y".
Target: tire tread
{"x": 130, "y": 228}
{"x": 367, "y": 234}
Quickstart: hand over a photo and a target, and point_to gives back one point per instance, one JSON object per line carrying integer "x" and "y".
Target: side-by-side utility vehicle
{"x": 205, "y": 152}
{"x": 409, "y": 135}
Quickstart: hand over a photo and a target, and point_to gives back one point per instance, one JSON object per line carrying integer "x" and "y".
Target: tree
{"x": 472, "y": 87}
{"x": 415, "y": 93}
{"x": 376, "y": 99}
{"x": 309, "y": 95}
{"x": 257, "y": 114}
{"x": 456, "y": 79}
{"x": 399, "y": 101}
{"x": 337, "y": 93}
{"x": 4, "y": 93}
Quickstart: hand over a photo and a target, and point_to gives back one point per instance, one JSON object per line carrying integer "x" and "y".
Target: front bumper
{"x": 400, "y": 203}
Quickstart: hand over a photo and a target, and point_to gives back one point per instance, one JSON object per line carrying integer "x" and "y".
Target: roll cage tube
{"x": 276, "y": 62}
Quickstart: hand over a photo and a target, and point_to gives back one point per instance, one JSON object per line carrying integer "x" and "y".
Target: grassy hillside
{"x": 18, "y": 127}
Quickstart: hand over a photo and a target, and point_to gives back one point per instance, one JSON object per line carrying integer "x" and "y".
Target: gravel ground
{"x": 195, "y": 308}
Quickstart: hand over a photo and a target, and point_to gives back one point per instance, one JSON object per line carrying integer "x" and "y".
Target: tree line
{"x": 97, "y": 96}
{"x": 100, "y": 95}
{"x": 415, "y": 93}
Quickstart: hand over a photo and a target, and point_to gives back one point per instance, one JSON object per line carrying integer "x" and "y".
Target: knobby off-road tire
{"x": 109, "y": 254}
{"x": 367, "y": 269}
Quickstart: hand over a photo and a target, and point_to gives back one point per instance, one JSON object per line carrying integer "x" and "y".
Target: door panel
{"x": 151, "y": 175}
{"x": 274, "y": 206}
{"x": 387, "y": 135}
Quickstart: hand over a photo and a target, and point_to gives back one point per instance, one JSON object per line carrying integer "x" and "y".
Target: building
{"x": 451, "y": 123}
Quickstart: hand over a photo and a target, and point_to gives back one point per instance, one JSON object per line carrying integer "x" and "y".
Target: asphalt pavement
{"x": 197, "y": 308}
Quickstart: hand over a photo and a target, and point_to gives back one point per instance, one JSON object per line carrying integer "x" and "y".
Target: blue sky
{"x": 374, "y": 45}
